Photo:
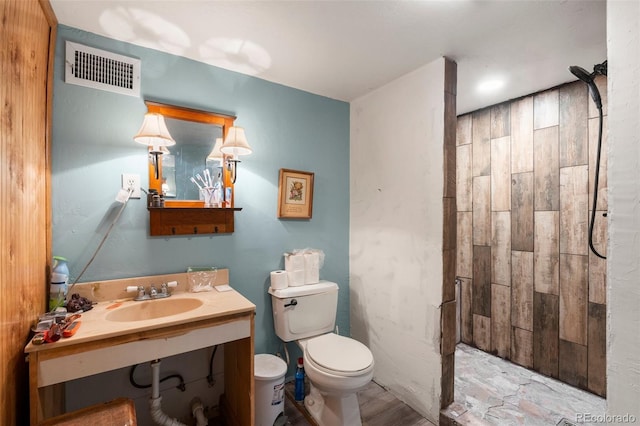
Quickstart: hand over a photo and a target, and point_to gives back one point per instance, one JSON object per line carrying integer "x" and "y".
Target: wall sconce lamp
{"x": 154, "y": 134}
{"x": 235, "y": 144}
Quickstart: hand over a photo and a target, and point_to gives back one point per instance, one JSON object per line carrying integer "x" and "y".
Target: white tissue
{"x": 279, "y": 280}
{"x": 303, "y": 266}
{"x": 295, "y": 278}
{"x": 293, "y": 262}
{"x": 311, "y": 268}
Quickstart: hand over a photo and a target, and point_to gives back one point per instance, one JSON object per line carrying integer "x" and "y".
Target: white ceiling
{"x": 344, "y": 49}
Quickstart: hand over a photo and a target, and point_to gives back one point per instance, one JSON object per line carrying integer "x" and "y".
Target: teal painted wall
{"x": 92, "y": 146}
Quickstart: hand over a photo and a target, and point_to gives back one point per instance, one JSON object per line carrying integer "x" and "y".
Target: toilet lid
{"x": 339, "y": 353}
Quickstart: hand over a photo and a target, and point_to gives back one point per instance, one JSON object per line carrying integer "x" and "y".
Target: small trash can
{"x": 269, "y": 372}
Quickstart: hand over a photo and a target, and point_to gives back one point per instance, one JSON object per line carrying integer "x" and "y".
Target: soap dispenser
{"x": 59, "y": 283}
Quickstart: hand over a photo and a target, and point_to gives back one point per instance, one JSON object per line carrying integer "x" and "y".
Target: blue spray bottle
{"x": 299, "y": 391}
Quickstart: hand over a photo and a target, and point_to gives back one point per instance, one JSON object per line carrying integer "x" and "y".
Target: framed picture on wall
{"x": 295, "y": 194}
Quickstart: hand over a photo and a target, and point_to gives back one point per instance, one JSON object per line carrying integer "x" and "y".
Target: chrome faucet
{"x": 164, "y": 292}
{"x": 153, "y": 292}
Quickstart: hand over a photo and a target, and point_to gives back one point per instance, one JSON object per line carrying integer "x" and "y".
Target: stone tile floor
{"x": 491, "y": 391}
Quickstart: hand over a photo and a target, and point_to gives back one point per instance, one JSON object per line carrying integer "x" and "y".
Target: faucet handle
{"x": 164, "y": 288}
{"x": 140, "y": 289}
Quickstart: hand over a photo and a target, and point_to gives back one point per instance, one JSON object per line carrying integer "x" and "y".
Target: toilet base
{"x": 333, "y": 410}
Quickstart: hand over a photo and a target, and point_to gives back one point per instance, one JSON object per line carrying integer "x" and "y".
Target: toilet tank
{"x": 304, "y": 311}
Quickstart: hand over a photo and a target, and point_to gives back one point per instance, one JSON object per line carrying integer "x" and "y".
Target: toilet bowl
{"x": 337, "y": 367}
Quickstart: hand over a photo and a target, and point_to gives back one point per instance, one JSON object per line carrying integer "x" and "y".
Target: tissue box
{"x": 295, "y": 278}
{"x": 294, "y": 265}
{"x": 303, "y": 267}
{"x": 293, "y": 262}
{"x": 311, "y": 268}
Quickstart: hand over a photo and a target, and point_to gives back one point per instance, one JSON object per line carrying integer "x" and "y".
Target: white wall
{"x": 623, "y": 252}
{"x": 396, "y": 187}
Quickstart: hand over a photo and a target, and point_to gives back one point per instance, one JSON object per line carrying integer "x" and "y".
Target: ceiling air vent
{"x": 89, "y": 67}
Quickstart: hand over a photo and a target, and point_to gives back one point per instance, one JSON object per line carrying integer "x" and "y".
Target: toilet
{"x": 337, "y": 366}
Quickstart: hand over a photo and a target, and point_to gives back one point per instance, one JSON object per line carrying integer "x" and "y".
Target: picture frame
{"x": 295, "y": 194}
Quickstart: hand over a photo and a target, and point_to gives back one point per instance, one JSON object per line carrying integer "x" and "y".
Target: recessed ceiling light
{"x": 490, "y": 85}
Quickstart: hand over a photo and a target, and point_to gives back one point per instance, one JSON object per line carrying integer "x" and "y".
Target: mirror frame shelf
{"x": 190, "y": 217}
{"x": 191, "y": 220}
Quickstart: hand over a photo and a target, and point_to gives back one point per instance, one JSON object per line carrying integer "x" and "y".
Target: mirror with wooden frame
{"x": 195, "y": 132}
{"x": 192, "y": 130}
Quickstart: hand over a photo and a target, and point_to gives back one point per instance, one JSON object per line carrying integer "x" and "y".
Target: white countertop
{"x": 95, "y": 326}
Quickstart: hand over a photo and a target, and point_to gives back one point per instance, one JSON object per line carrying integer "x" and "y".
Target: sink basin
{"x": 152, "y": 309}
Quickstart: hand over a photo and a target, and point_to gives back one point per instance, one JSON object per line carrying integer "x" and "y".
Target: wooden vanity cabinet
{"x": 100, "y": 345}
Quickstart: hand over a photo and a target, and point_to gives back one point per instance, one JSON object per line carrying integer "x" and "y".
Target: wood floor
{"x": 378, "y": 407}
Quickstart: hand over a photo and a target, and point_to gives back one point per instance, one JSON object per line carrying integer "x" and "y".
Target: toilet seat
{"x": 338, "y": 355}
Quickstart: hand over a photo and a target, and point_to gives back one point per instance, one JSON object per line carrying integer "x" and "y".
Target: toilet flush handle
{"x": 293, "y": 302}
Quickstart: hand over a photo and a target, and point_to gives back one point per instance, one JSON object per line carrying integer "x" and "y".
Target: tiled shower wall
{"x": 531, "y": 290}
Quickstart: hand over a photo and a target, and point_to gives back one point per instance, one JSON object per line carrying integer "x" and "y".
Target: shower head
{"x": 587, "y": 77}
{"x": 581, "y": 73}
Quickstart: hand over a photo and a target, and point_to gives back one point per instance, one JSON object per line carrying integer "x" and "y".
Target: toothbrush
{"x": 207, "y": 176}
{"x": 201, "y": 180}
{"x": 194, "y": 181}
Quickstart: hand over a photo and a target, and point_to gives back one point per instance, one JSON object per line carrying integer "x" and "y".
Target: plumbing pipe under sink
{"x": 197, "y": 410}
{"x": 155, "y": 403}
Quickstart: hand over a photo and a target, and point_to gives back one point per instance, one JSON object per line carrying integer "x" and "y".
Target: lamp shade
{"x": 236, "y": 142}
{"x": 215, "y": 153}
{"x": 154, "y": 131}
